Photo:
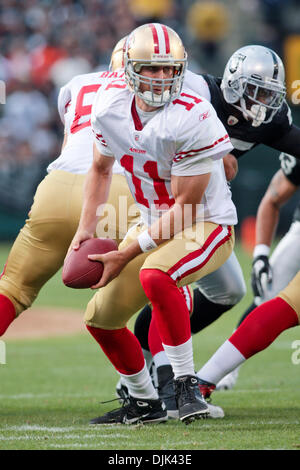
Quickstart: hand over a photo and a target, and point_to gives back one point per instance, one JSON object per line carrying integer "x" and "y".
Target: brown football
{"x": 79, "y": 272}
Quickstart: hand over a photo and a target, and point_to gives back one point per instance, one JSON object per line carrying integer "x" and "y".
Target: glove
{"x": 260, "y": 275}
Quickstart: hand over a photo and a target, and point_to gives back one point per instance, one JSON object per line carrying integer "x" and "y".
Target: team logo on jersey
{"x": 132, "y": 149}
{"x": 232, "y": 120}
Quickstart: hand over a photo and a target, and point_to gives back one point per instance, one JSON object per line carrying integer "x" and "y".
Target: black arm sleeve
{"x": 289, "y": 142}
{"x": 239, "y": 153}
{"x": 290, "y": 167}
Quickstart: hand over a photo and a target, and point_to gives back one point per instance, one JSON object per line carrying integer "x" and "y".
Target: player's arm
{"x": 96, "y": 191}
{"x": 280, "y": 190}
{"x": 230, "y": 166}
{"x": 278, "y": 193}
{"x": 187, "y": 192}
{"x": 289, "y": 142}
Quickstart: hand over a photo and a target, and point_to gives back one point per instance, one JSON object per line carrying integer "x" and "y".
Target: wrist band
{"x": 261, "y": 250}
{"x": 146, "y": 242}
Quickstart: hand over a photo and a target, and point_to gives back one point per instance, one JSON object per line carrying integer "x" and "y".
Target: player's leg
{"x": 285, "y": 263}
{"x": 216, "y": 293}
{"x": 106, "y": 318}
{"x": 255, "y": 334}
{"x": 109, "y": 310}
{"x": 162, "y": 271}
{"x": 40, "y": 248}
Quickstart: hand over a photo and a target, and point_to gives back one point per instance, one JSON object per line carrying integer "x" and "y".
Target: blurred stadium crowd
{"x": 46, "y": 42}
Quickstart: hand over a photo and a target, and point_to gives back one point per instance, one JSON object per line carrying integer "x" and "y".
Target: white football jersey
{"x": 74, "y": 106}
{"x": 197, "y": 83}
{"x": 184, "y": 138}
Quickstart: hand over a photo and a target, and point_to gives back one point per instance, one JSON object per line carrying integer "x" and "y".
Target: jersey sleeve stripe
{"x": 100, "y": 138}
{"x": 67, "y": 105}
{"x": 193, "y": 152}
{"x": 198, "y": 258}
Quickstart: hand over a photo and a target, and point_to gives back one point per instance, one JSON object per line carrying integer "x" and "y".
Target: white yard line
{"x": 67, "y": 429}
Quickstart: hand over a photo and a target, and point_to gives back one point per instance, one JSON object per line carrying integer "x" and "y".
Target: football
{"x": 78, "y": 271}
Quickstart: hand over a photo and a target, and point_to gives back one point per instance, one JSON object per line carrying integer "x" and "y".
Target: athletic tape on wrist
{"x": 261, "y": 250}
{"x": 146, "y": 242}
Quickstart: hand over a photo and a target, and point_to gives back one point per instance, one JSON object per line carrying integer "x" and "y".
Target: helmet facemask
{"x": 170, "y": 87}
{"x": 260, "y": 101}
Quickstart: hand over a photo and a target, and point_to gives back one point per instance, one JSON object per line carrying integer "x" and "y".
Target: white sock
{"x": 140, "y": 385}
{"x": 181, "y": 358}
{"x": 225, "y": 359}
{"x": 161, "y": 359}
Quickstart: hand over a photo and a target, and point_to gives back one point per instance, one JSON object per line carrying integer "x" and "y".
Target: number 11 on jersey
{"x": 159, "y": 185}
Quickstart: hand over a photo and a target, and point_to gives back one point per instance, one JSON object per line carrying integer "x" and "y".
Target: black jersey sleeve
{"x": 289, "y": 142}
{"x": 281, "y": 134}
{"x": 290, "y": 167}
{"x": 239, "y": 153}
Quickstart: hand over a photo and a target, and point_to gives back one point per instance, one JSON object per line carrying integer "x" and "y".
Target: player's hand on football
{"x": 79, "y": 237}
{"x": 261, "y": 275}
{"x": 113, "y": 263}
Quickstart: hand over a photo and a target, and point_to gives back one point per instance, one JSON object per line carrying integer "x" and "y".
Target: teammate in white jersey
{"x": 41, "y": 246}
{"x": 170, "y": 142}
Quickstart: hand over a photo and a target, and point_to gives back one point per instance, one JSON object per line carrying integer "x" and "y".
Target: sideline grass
{"x": 49, "y": 389}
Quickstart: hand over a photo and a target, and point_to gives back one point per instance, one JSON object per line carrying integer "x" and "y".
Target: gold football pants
{"x": 291, "y": 294}
{"x": 40, "y": 248}
{"x": 184, "y": 258}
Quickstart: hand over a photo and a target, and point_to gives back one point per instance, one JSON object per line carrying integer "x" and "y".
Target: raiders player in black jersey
{"x": 250, "y": 101}
{"x": 270, "y": 276}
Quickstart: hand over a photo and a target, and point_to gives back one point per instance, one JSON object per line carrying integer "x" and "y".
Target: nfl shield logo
{"x": 136, "y": 137}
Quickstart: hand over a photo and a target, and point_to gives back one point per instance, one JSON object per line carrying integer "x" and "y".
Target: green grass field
{"x": 49, "y": 389}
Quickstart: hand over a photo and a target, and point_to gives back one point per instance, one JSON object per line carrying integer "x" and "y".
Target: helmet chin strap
{"x": 257, "y": 113}
{"x": 155, "y": 100}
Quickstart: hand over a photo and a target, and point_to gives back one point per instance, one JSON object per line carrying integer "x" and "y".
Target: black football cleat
{"x": 136, "y": 411}
{"x": 166, "y": 389}
{"x": 190, "y": 402}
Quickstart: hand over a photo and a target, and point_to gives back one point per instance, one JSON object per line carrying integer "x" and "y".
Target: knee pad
{"x": 153, "y": 281}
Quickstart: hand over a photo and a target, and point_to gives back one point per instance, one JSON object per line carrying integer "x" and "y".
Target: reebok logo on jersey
{"x": 136, "y": 150}
{"x": 204, "y": 115}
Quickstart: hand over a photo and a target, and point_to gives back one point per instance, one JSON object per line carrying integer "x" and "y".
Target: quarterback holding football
{"x": 170, "y": 143}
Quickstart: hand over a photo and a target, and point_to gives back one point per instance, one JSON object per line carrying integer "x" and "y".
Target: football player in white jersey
{"x": 170, "y": 142}
{"x": 41, "y": 246}
{"x": 253, "y": 82}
